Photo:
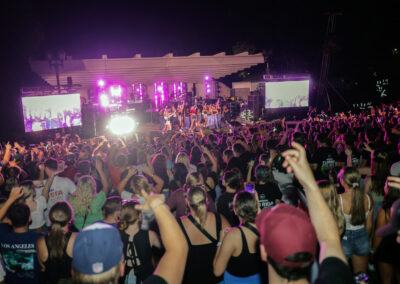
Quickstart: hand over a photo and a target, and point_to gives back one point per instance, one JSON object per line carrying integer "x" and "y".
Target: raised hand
{"x": 16, "y": 193}
{"x": 296, "y": 162}
{"x": 152, "y": 201}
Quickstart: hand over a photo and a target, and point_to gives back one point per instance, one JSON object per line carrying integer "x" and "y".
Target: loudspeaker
{"x": 88, "y": 121}
{"x": 69, "y": 82}
{"x": 254, "y": 105}
{"x": 189, "y": 98}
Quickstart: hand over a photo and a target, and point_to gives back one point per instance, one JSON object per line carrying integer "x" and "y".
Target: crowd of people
{"x": 261, "y": 203}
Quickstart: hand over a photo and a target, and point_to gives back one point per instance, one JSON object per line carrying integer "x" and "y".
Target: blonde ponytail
{"x": 197, "y": 202}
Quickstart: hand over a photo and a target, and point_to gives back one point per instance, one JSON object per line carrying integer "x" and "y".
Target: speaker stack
{"x": 254, "y": 105}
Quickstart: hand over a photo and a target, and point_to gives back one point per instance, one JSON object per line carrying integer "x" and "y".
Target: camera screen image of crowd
{"x": 51, "y": 112}
{"x": 287, "y": 94}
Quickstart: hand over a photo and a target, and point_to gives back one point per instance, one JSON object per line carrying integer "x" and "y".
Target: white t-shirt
{"x": 283, "y": 179}
{"x": 59, "y": 190}
{"x": 38, "y": 219}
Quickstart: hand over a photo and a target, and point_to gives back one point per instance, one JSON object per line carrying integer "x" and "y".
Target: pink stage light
{"x": 116, "y": 91}
{"x": 101, "y": 83}
{"x": 159, "y": 88}
{"x": 206, "y": 77}
{"x": 104, "y": 102}
{"x": 208, "y": 91}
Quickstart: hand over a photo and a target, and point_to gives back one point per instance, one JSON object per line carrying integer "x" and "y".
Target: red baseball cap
{"x": 286, "y": 230}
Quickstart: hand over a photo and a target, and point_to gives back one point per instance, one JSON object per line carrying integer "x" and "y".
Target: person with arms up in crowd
{"x": 60, "y": 188}
{"x": 18, "y": 246}
{"x": 86, "y": 203}
{"x": 288, "y": 238}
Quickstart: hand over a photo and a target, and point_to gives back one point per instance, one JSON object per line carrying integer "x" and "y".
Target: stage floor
{"x": 148, "y": 127}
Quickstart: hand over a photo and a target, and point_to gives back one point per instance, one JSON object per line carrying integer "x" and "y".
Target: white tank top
{"x": 347, "y": 217}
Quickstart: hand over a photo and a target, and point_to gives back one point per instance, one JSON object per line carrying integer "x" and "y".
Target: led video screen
{"x": 51, "y": 112}
{"x": 286, "y": 94}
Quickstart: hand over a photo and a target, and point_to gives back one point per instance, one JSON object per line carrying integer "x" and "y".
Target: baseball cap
{"x": 97, "y": 249}
{"x": 286, "y": 230}
{"x": 394, "y": 225}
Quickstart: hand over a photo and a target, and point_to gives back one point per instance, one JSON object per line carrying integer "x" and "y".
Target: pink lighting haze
{"x": 206, "y": 77}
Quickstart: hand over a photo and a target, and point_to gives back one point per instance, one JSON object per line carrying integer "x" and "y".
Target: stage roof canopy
{"x": 147, "y": 70}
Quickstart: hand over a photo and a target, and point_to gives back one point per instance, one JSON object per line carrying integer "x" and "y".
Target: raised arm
{"x": 321, "y": 217}
{"x": 251, "y": 166}
{"x": 15, "y": 193}
{"x": 6, "y": 157}
{"x": 212, "y": 159}
{"x": 172, "y": 265}
{"x": 99, "y": 167}
{"x": 159, "y": 181}
{"x": 47, "y": 186}
{"x": 125, "y": 180}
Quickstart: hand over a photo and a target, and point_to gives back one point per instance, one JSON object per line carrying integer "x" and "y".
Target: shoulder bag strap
{"x": 219, "y": 226}
{"x": 204, "y": 232}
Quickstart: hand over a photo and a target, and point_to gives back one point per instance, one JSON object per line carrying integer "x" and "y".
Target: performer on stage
{"x": 167, "y": 117}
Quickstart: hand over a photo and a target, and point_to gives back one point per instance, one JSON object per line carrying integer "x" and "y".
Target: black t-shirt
{"x": 333, "y": 270}
{"x": 325, "y": 157}
{"x": 225, "y": 207}
{"x": 267, "y": 194}
{"x": 155, "y": 279}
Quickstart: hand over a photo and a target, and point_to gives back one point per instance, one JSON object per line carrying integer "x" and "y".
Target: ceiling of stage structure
{"x": 147, "y": 70}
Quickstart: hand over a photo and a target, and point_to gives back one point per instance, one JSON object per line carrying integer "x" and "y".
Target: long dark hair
{"x": 60, "y": 215}
{"x": 381, "y": 170}
{"x": 159, "y": 163}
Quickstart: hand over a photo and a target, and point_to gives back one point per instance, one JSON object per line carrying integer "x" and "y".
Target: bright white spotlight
{"x": 104, "y": 100}
{"x": 122, "y": 124}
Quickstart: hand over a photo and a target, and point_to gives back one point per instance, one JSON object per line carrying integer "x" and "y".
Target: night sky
{"x": 291, "y": 32}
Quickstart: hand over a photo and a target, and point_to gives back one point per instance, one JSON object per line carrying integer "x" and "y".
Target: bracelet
{"x": 158, "y": 205}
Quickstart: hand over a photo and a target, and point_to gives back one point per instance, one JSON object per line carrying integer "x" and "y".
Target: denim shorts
{"x": 355, "y": 242}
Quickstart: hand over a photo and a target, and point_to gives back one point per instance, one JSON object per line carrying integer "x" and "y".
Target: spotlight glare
{"x": 116, "y": 91}
{"x": 104, "y": 102}
{"x": 206, "y": 77}
{"x": 101, "y": 83}
{"x": 121, "y": 124}
{"x": 159, "y": 88}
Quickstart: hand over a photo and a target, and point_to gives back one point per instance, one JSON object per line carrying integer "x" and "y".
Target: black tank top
{"x": 246, "y": 264}
{"x": 57, "y": 269}
{"x": 199, "y": 264}
{"x": 138, "y": 254}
